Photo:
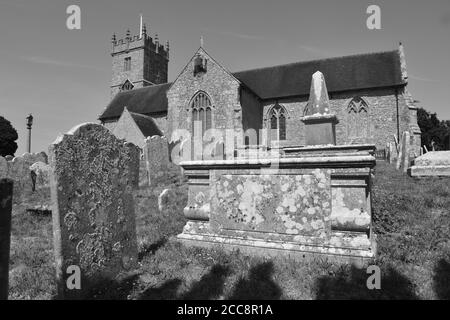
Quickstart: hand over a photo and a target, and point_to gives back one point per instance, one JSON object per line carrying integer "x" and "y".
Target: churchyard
{"x": 411, "y": 219}
{"x": 306, "y": 222}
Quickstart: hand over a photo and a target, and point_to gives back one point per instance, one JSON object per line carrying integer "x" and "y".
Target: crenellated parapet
{"x": 139, "y": 41}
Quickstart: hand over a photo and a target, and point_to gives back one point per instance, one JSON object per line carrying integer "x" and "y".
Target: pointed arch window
{"x": 127, "y": 85}
{"x": 202, "y": 111}
{"x": 358, "y": 119}
{"x": 277, "y": 119}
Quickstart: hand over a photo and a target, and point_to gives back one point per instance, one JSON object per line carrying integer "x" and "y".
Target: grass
{"x": 411, "y": 218}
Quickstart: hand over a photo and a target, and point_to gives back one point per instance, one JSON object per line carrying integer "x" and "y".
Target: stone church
{"x": 368, "y": 94}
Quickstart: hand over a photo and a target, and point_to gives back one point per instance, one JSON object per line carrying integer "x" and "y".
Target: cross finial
{"x": 201, "y": 42}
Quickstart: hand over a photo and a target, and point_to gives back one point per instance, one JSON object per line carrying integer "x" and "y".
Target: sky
{"x": 62, "y": 76}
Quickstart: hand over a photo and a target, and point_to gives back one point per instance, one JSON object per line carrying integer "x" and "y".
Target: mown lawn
{"x": 412, "y": 219}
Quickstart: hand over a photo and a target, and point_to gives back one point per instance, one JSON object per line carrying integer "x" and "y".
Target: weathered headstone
{"x": 403, "y": 160}
{"x": 156, "y": 155}
{"x": 6, "y": 189}
{"x": 393, "y": 154}
{"x": 18, "y": 170}
{"x": 92, "y": 177}
{"x": 40, "y": 175}
{"x": 164, "y": 199}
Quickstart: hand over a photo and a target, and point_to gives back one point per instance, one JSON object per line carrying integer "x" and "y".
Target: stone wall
{"x": 382, "y": 104}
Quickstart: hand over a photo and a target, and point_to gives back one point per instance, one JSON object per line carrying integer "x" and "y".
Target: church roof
{"x": 146, "y": 124}
{"x": 147, "y": 100}
{"x": 355, "y": 72}
{"x": 363, "y": 71}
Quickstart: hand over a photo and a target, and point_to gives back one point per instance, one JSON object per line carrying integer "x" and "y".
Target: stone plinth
{"x": 320, "y": 129}
{"x": 312, "y": 204}
{"x": 432, "y": 164}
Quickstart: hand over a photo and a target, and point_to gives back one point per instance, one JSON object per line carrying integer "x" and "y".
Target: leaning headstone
{"x": 404, "y": 151}
{"x": 156, "y": 155}
{"x": 92, "y": 178}
{"x": 407, "y": 152}
{"x": 6, "y": 189}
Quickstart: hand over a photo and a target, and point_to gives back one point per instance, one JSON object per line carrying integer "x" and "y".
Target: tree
{"x": 8, "y": 137}
{"x": 433, "y": 130}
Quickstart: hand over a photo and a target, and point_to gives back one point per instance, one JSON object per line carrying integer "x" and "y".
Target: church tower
{"x": 138, "y": 61}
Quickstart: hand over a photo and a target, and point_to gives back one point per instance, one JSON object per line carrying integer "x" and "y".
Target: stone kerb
{"x": 432, "y": 164}
{"x": 92, "y": 177}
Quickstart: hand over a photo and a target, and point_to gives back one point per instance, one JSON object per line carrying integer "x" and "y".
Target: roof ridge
{"x": 315, "y": 60}
{"x": 146, "y": 87}
{"x": 140, "y": 115}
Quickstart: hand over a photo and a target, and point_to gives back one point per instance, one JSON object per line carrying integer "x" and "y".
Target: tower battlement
{"x": 134, "y": 42}
{"x": 138, "y": 61}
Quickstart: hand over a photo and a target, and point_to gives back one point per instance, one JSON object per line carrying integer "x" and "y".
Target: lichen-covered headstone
{"x": 92, "y": 177}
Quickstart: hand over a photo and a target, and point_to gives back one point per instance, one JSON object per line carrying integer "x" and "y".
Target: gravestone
{"x": 403, "y": 160}
{"x": 156, "y": 155}
{"x": 6, "y": 189}
{"x": 41, "y": 175}
{"x": 92, "y": 177}
{"x": 18, "y": 170}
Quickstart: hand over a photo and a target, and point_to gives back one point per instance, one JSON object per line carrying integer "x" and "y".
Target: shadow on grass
{"x": 152, "y": 248}
{"x": 441, "y": 279}
{"x": 258, "y": 286}
{"x": 210, "y": 285}
{"x": 351, "y": 284}
{"x": 167, "y": 291}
